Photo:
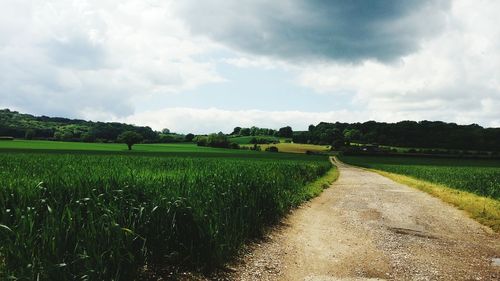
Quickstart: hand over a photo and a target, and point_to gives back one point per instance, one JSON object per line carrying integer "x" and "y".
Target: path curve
{"x": 368, "y": 227}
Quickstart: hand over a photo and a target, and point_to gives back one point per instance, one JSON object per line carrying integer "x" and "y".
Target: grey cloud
{"x": 53, "y": 91}
{"x": 347, "y": 31}
{"x": 76, "y": 52}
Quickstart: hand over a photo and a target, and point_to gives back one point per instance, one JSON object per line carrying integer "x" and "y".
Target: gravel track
{"x": 367, "y": 227}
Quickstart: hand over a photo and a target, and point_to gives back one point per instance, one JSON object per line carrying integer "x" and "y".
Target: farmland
{"x": 113, "y": 147}
{"x": 248, "y": 139}
{"x": 103, "y": 215}
{"x": 295, "y": 147}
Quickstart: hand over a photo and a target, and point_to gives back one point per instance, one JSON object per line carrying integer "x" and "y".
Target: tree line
{"x": 423, "y": 134}
{"x": 18, "y": 125}
{"x": 285, "y": 132}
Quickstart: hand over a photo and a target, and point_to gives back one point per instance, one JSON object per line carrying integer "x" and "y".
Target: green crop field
{"x": 104, "y": 215}
{"x": 59, "y": 145}
{"x": 481, "y": 177}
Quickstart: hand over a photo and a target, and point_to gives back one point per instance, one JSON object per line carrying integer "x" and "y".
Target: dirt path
{"x": 367, "y": 227}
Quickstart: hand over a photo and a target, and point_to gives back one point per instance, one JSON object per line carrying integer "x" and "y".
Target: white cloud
{"x": 245, "y": 61}
{"x": 95, "y": 58}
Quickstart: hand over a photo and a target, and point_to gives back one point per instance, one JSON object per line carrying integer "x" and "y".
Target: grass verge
{"x": 483, "y": 209}
{"x": 315, "y": 188}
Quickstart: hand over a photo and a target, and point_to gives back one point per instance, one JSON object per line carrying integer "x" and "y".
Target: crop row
{"x": 103, "y": 217}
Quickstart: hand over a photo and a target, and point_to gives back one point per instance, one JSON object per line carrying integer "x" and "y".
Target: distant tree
{"x": 30, "y": 134}
{"x": 254, "y": 131}
{"x": 189, "y": 137}
{"x": 236, "y": 131}
{"x": 245, "y": 131}
{"x": 218, "y": 140}
{"x": 67, "y": 136}
{"x": 165, "y": 131}
{"x": 200, "y": 140}
{"x": 352, "y": 135}
{"x": 58, "y": 135}
{"x": 338, "y": 140}
{"x": 285, "y": 132}
{"x": 88, "y": 137}
{"x": 129, "y": 138}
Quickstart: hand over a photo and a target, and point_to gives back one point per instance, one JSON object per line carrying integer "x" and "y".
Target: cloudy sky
{"x": 204, "y": 66}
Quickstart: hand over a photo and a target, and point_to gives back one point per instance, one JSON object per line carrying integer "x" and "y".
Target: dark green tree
{"x": 129, "y": 138}
{"x": 352, "y": 135}
{"x": 218, "y": 140}
{"x": 200, "y": 140}
{"x": 285, "y": 132}
{"x": 88, "y": 137}
{"x": 236, "y": 131}
{"x": 189, "y": 137}
{"x": 245, "y": 131}
{"x": 30, "y": 134}
{"x": 57, "y": 135}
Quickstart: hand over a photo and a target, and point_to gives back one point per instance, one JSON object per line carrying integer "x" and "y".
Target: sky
{"x": 212, "y": 65}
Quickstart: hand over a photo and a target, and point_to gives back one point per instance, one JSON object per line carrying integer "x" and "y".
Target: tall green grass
{"x": 102, "y": 217}
{"x": 481, "y": 177}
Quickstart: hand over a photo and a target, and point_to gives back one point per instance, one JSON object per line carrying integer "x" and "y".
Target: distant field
{"x": 297, "y": 147}
{"x": 166, "y": 150}
{"x": 99, "y": 212}
{"x": 59, "y": 145}
{"x": 481, "y": 177}
{"x": 401, "y": 149}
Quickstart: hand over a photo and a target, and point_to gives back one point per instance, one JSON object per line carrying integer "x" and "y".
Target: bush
{"x": 201, "y": 140}
{"x": 272, "y": 149}
{"x": 171, "y": 138}
{"x": 255, "y": 147}
{"x": 218, "y": 140}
